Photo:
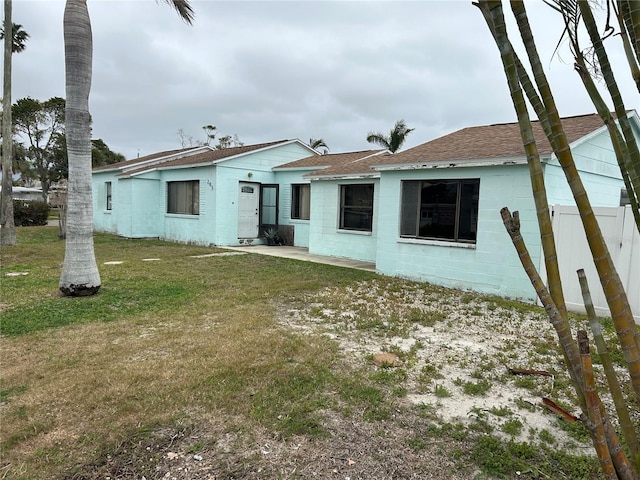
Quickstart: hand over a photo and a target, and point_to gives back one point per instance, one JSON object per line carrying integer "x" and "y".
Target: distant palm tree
{"x": 80, "y": 274}
{"x": 16, "y": 45}
{"x": 317, "y": 144}
{"x": 20, "y": 37}
{"x": 394, "y": 140}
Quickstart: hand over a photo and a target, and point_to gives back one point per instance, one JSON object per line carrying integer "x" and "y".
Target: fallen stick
{"x": 550, "y": 404}
{"x": 520, "y": 371}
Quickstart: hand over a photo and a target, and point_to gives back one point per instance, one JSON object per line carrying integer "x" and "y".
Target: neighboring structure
{"x": 26, "y": 193}
{"x": 430, "y": 213}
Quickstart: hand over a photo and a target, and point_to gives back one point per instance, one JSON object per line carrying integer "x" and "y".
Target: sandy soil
{"x": 443, "y": 339}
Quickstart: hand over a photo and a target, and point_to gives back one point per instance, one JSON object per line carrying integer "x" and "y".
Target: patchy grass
{"x": 185, "y": 357}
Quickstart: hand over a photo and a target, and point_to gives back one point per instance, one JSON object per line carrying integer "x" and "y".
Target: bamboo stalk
{"x": 630, "y": 10}
{"x": 612, "y": 379}
{"x": 617, "y": 140}
{"x": 512, "y": 224}
{"x": 632, "y": 163}
{"x": 629, "y": 51}
{"x": 593, "y": 407}
{"x": 516, "y": 76}
{"x": 609, "y": 278}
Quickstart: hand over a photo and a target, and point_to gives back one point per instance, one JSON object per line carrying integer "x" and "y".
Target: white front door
{"x": 248, "y": 205}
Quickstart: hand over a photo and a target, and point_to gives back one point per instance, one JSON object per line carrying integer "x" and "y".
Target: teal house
{"x": 197, "y": 195}
{"x": 430, "y": 213}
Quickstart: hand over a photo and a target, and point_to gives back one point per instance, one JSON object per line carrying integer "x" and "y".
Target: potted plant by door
{"x": 271, "y": 236}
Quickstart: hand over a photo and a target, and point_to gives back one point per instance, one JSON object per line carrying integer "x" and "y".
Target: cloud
{"x": 269, "y": 70}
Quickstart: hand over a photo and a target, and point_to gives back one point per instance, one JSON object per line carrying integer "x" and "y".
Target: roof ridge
{"x": 538, "y": 120}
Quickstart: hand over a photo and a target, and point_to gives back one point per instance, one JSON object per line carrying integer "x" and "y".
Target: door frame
{"x": 264, "y": 186}
{"x": 256, "y": 185}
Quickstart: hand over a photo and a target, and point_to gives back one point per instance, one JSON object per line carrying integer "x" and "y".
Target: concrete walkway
{"x": 300, "y": 253}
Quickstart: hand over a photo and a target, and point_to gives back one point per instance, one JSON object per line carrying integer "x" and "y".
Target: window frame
{"x": 192, "y": 201}
{"x": 355, "y": 207}
{"x": 108, "y": 195}
{"x": 265, "y": 207}
{"x": 422, "y": 213}
{"x": 297, "y": 210}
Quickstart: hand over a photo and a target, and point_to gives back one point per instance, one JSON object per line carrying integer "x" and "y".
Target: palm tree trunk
{"x": 80, "y": 274}
{"x": 7, "y": 225}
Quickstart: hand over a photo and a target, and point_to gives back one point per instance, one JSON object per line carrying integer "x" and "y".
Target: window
{"x": 356, "y": 207}
{"x": 269, "y": 204}
{"x": 108, "y": 190}
{"x": 440, "y": 209}
{"x": 183, "y": 197}
{"x": 300, "y": 201}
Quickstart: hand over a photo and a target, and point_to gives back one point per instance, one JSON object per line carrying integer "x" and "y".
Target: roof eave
{"x": 166, "y": 158}
{"x": 297, "y": 169}
{"x": 455, "y": 163}
{"x": 351, "y": 176}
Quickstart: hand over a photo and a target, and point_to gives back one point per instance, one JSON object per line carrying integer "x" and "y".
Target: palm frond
{"x": 378, "y": 138}
{"x": 394, "y": 140}
{"x": 184, "y": 9}
{"x": 398, "y": 135}
{"x": 317, "y": 143}
{"x": 19, "y": 36}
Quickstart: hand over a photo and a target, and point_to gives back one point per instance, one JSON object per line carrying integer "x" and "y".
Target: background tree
{"x": 40, "y": 124}
{"x": 186, "y": 140}
{"x": 392, "y": 142}
{"x": 101, "y": 155}
{"x": 21, "y": 166}
{"x": 80, "y": 274}
{"x": 317, "y": 144}
{"x": 16, "y": 44}
{"x": 210, "y": 133}
{"x": 228, "y": 141}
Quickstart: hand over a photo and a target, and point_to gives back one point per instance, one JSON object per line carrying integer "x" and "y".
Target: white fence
{"x": 622, "y": 238}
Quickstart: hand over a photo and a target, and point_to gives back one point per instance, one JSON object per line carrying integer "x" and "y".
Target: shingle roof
{"x": 183, "y": 157}
{"x": 360, "y": 165}
{"x": 134, "y": 161}
{"x": 327, "y": 160}
{"x": 491, "y": 141}
{"x": 483, "y": 143}
{"x": 211, "y": 156}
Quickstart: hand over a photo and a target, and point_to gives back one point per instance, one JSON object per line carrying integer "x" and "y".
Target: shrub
{"x": 30, "y": 213}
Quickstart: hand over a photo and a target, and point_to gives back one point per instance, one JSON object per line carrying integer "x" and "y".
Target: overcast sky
{"x": 270, "y": 70}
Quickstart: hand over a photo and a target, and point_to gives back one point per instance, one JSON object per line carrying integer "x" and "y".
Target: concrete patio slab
{"x": 300, "y": 253}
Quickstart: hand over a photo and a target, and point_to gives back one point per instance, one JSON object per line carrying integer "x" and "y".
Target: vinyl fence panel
{"x": 622, "y": 239}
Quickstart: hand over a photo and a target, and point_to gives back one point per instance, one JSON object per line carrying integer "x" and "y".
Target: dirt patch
{"x": 457, "y": 349}
{"x": 351, "y": 450}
